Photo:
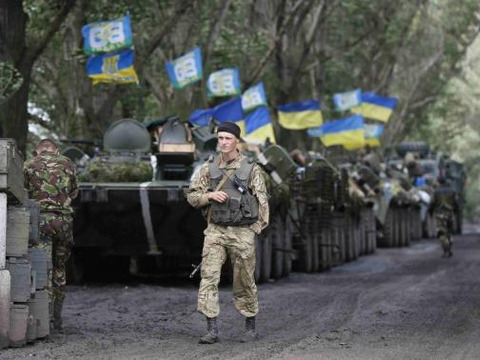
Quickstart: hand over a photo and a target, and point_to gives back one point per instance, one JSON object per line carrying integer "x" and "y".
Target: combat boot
{"x": 212, "y": 332}
{"x": 57, "y": 315}
{"x": 250, "y": 334}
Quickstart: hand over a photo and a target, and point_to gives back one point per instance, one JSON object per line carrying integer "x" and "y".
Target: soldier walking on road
{"x": 232, "y": 190}
{"x": 443, "y": 206}
{"x": 51, "y": 181}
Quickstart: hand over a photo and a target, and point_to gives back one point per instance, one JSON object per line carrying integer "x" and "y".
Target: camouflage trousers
{"x": 443, "y": 221}
{"x": 238, "y": 242}
{"x": 56, "y": 238}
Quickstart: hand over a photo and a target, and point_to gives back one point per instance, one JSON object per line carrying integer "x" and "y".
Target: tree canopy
{"x": 413, "y": 50}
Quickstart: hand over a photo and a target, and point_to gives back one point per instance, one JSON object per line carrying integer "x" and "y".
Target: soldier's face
{"x": 227, "y": 142}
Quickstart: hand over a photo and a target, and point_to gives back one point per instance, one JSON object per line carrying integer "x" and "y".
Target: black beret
{"x": 230, "y": 127}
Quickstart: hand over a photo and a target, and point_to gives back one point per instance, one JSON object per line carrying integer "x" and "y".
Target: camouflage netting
{"x": 98, "y": 170}
{"x": 10, "y": 80}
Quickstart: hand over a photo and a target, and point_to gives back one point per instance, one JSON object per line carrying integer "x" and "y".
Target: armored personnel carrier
{"x": 131, "y": 212}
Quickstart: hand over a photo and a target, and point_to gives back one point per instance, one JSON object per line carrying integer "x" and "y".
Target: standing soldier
{"x": 50, "y": 180}
{"x": 231, "y": 189}
{"x": 443, "y": 206}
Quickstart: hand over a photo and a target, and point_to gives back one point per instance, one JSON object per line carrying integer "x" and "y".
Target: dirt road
{"x": 396, "y": 304}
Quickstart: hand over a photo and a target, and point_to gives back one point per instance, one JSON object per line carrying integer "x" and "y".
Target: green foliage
{"x": 100, "y": 170}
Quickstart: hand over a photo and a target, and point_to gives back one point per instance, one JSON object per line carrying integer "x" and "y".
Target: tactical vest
{"x": 445, "y": 198}
{"x": 240, "y": 208}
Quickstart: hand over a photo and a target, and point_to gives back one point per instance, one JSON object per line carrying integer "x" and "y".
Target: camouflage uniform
{"x": 51, "y": 181}
{"x": 443, "y": 207}
{"x": 238, "y": 242}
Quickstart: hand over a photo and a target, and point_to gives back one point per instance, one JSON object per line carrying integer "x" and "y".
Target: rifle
{"x": 195, "y": 269}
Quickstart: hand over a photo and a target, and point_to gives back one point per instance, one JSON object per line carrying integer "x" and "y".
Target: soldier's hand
{"x": 218, "y": 196}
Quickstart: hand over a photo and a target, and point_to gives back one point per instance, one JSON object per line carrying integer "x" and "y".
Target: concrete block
{"x": 4, "y": 307}
{"x": 18, "y": 325}
{"x": 18, "y": 227}
{"x": 40, "y": 264}
{"x": 3, "y": 230}
{"x": 32, "y": 325}
{"x": 34, "y": 208}
{"x": 39, "y": 308}
{"x": 21, "y": 279}
{"x": 11, "y": 171}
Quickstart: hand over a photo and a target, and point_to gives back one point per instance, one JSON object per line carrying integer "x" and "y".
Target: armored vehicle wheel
{"x": 358, "y": 239}
{"x": 276, "y": 235}
{"x": 349, "y": 240}
{"x": 266, "y": 259}
{"x": 288, "y": 234}
{"x": 315, "y": 252}
{"x": 401, "y": 227}
{"x": 305, "y": 256}
{"x": 397, "y": 218}
{"x": 258, "y": 258}
{"x": 362, "y": 235}
{"x": 388, "y": 229}
{"x": 325, "y": 251}
{"x": 409, "y": 226}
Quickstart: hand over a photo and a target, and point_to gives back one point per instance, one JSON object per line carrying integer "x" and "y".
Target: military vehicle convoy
{"x": 131, "y": 211}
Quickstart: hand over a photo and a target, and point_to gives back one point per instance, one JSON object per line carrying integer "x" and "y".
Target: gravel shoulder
{"x": 406, "y": 303}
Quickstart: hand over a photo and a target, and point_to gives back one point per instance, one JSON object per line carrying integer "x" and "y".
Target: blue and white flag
{"x": 254, "y": 97}
{"x": 373, "y": 132}
{"x": 186, "y": 69}
{"x": 347, "y": 100}
{"x": 107, "y": 36}
{"x": 224, "y": 82}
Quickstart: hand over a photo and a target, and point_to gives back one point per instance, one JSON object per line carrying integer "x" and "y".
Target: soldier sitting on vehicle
{"x": 443, "y": 207}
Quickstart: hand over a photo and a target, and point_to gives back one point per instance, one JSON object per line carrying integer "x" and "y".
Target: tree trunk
{"x": 13, "y": 113}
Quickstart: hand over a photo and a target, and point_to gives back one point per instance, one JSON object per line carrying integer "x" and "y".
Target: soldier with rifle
{"x": 231, "y": 189}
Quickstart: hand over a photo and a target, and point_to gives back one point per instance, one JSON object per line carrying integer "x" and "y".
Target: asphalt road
{"x": 404, "y": 303}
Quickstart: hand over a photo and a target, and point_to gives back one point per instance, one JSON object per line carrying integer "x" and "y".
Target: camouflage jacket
{"x": 199, "y": 186}
{"x": 51, "y": 181}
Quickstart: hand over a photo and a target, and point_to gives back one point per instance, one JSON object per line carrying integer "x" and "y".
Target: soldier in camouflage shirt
{"x": 228, "y": 238}
{"x": 51, "y": 181}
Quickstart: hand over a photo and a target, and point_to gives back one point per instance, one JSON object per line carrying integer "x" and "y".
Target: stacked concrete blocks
{"x": 24, "y": 314}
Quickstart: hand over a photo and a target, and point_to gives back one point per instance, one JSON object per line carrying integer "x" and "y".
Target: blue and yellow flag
{"x": 107, "y": 36}
{"x": 373, "y": 132}
{"x": 201, "y": 117}
{"x": 230, "y": 110}
{"x": 186, "y": 69}
{"x": 224, "y": 82}
{"x": 113, "y": 68}
{"x": 254, "y": 97}
{"x": 258, "y": 126}
{"x": 349, "y": 132}
{"x": 347, "y": 100}
{"x": 300, "y": 115}
{"x": 376, "y": 107}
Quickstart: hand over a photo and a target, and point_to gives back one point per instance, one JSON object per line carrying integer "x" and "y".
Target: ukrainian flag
{"x": 300, "y": 115}
{"x": 373, "y": 132}
{"x": 114, "y": 68}
{"x": 376, "y": 107}
{"x": 349, "y": 132}
{"x": 258, "y": 126}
